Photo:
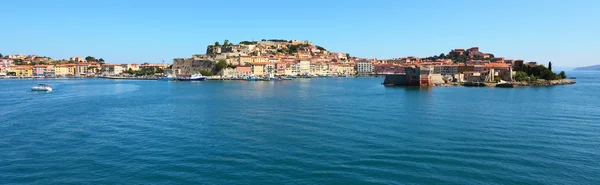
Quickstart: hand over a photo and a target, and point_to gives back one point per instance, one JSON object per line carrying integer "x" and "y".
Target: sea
{"x": 301, "y": 131}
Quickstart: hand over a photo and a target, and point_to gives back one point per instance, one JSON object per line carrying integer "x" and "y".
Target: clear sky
{"x": 123, "y": 31}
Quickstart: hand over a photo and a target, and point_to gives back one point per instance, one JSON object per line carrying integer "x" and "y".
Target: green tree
{"x": 101, "y": 61}
{"x": 520, "y": 76}
{"x": 90, "y": 59}
{"x": 160, "y": 70}
{"x": 1, "y": 55}
{"x": 321, "y": 48}
{"x": 550, "y": 66}
{"x": 226, "y": 43}
{"x": 347, "y": 55}
{"x": 217, "y": 43}
{"x": 206, "y": 73}
{"x": 442, "y": 56}
{"x": 221, "y": 64}
{"x": 562, "y": 75}
{"x": 532, "y": 78}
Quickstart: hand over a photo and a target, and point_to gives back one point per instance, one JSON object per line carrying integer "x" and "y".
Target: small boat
{"x": 168, "y": 77}
{"x": 196, "y": 77}
{"x": 505, "y": 84}
{"x": 253, "y": 78}
{"x": 41, "y": 87}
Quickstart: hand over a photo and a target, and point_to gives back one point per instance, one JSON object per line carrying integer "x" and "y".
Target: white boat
{"x": 195, "y": 77}
{"x": 41, "y": 87}
{"x": 168, "y": 77}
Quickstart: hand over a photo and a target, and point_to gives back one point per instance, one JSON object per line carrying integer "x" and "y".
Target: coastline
{"x": 515, "y": 84}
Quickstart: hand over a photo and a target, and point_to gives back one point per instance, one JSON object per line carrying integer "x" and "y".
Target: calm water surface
{"x": 312, "y": 131}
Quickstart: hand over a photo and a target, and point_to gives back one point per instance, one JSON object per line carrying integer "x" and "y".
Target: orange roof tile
{"x": 496, "y": 65}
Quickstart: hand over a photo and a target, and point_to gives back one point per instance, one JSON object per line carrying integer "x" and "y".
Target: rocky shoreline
{"x": 516, "y": 84}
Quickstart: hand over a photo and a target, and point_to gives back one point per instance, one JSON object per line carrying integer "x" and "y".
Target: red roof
{"x": 496, "y": 65}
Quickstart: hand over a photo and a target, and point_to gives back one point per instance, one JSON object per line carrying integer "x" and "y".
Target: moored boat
{"x": 195, "y": 77}
{"x": 505, "y": 84}
{"x": 168, "y": 77}
{"x": 253, "y": 78}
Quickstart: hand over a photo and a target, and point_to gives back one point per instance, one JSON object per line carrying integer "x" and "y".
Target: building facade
{"x": 364, "y": 67}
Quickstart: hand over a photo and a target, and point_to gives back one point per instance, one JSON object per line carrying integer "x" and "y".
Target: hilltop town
{"x": 277, "y": 57}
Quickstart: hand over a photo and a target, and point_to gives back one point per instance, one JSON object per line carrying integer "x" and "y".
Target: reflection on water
{"x": 302, "y": 131}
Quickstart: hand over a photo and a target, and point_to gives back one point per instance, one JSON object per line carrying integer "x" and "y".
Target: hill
{"x": 589, "y": 68}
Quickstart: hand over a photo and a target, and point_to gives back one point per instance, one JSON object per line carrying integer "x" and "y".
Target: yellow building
{"x": 345, "y": 69}
{"x": 258, "y": 68}
{"x": 132, "y": 66}
{"x": 22, "y": 71}
{"x": 64, "y": 70}
{"x": 260, "y": 59}
{"x": 243, "y": 60}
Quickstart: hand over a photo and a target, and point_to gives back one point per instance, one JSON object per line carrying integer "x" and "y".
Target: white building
{"x": 304, "y": 67}
{"x": 364, "y": 67}
{"x": 112, "y": 69}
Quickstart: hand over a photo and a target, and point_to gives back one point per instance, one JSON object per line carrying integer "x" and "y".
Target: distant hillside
{"x": 589, "y": 68}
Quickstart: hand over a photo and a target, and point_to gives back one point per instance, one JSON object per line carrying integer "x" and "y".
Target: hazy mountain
{"x": 589, "y": 68}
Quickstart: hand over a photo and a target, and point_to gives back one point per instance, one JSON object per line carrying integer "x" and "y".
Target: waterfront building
{"x": 43, "y": 70}
{"x": 23, "y": 71}
{"x": 112, "y": 69}
{"x": 153, "y": 67}
{"x": 364, "y": 67}
{"x": 5, "y": 64}
{"x": 446, "y": 69}
{"x": 258, "y": 68}
{"x": 64, "y": 70}
{"x": 292, "y": 69}
{"x": 132, "y": 66}
{"x": 281, "y": 67}
{"x": 304, "y": 67}
{"x": 270, "y": 68}
{"x": 230, "y": 72}
{"x": 84, "y": 68}
{"x": 345, "y": 69}
{"x": 332, "y": 68}
{"x": 243, "y": 70}
{"x": 501, "y": 70}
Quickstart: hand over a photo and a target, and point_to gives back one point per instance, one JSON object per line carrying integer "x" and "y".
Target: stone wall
{"x": 393, "y": 80}
{"x": 190, "y": 66}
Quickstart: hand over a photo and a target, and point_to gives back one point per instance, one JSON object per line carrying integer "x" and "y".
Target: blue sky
{"x": 565, "y": 32}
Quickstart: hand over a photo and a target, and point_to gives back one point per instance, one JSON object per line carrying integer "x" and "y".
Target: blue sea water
{"x": 304, "y": 131}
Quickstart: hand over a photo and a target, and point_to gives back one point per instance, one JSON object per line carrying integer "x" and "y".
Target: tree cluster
{"x": 538, "y": 71}
{"x": 206, "y": 73}
{"x": 248, "y": 42}
{"x": 145, "y": 71}
{"x": 321, "y": 48}
{"x": 93, "y": 59}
